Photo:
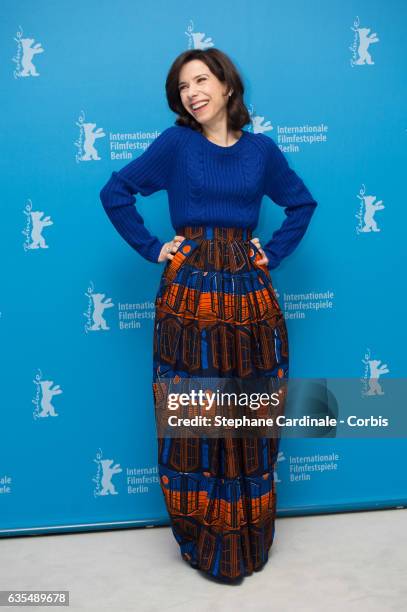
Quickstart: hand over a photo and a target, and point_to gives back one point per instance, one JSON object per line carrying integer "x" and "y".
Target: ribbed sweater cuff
{"x": 274, "y": 261}
{"x": 155, "y": 251}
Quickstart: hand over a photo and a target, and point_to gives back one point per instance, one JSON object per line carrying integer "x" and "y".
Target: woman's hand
{"x": 169, "y": 248}
{"x": 264, "y": 259}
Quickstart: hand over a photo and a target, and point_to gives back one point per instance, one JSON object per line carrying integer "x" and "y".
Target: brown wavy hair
{"x": 224, "y": 69}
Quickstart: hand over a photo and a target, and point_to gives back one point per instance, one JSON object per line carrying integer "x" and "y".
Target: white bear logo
{"x": 280, "y": 457}
{"x": 90, "y": 136}
{"x": 46, "y": 397}
{"x": 364, "y": 42}
{"x": 366, "y": 214}
{"x": 259, "y": 125}
{"x": 37, "y": 239}
{"x": 99, "y": 307}
{"x": 375, "y": 371}
{"x": 371, "y": 207}
{"x": 108, "y": 472}
{"x": 197, "y": 40}
{"x": 28, "y": 68}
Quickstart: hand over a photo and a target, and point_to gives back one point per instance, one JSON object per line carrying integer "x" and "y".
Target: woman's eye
{"x": 200, "y": 79}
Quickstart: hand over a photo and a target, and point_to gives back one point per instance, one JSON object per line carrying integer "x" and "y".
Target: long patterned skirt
{"x": 217, "y": 315}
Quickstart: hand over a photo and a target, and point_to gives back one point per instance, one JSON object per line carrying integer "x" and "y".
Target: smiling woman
{"x": 205, "y": 89}
{"x": 196, "y": 105}
{"x": 216, "y": 312}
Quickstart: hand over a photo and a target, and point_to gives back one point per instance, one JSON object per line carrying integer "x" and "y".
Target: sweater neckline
{"x": 228, "y": 149}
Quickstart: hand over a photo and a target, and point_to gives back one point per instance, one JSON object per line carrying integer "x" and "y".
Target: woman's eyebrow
{"x": 195, "y": 77}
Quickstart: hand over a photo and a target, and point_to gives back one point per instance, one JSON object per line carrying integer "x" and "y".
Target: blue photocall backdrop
{"x": 82, "y": 95}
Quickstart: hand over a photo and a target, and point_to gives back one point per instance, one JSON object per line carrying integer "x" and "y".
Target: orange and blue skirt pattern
{"x": 217, "y": 315}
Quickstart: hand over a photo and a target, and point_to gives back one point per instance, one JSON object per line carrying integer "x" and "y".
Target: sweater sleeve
{"x": 286, "y": 189}
{"x": 146, "y": 174}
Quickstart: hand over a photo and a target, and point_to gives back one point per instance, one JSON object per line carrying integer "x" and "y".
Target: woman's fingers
{"x": 178, "y": 239}
{"x": 264, "y": 259}
{"x": 173, "y": 245}
{"x": 169, "y": 248}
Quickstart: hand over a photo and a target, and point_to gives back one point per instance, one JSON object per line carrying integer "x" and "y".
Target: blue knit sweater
{"x": 208, "y": 184}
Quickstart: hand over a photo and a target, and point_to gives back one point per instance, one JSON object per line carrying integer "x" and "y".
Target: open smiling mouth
{"x": 202, "y": 106}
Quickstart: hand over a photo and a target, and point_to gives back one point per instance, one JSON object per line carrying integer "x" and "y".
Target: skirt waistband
{"x": 206, "y": 232}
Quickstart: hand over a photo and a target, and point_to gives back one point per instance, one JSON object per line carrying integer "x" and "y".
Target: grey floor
{"x": 349, "y": 561}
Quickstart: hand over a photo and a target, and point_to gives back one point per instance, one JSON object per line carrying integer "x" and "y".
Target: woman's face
{"x": 197, "y": 84}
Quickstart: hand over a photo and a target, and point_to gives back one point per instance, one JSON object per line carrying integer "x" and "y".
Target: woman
{"x": 217, "y": 314}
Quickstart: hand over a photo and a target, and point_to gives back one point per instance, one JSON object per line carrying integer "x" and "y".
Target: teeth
{"x": 195, "y": 106}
